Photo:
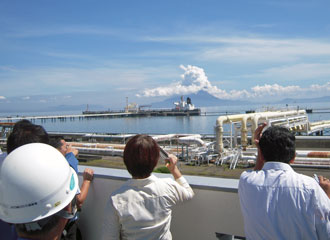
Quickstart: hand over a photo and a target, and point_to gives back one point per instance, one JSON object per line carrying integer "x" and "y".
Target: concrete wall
{"x": 215, "y": 207}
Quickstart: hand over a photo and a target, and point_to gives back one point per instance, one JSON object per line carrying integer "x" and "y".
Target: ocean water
{"x": 203, "y": 124}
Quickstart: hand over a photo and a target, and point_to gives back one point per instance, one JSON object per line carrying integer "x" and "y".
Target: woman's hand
{"x": 171, "y": 162}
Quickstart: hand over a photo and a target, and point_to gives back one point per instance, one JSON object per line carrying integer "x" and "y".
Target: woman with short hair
{"x": 141, "y": 208}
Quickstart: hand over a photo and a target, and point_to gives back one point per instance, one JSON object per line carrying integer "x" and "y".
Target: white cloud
{"x": 66, "y": 55}
{"x": 274, "y": 90}
{"x": 7, "y": 68}
{"x": 2, "y": 97}
{"x": 63, "y": 30}
{"x": 194, "y": 79}
{"x": 263, "y": 26}
{"x": 65, "y": 80}
{"x": 260, "y": 49}
{"x": 249, "y": 49}
{"x": 302, "y": 71}
{"x": 26, "y": 98}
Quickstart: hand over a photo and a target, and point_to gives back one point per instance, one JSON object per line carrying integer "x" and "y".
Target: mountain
{"x": 204, "y": 99}
{"x": 305, "y": 100}
{"x": 199, "y": 99}
{"x": 42, "y": 107}
{"x": 81, "y": 107}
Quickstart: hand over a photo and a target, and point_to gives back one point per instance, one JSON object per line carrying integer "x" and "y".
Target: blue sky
{"x": 100, "y": 52}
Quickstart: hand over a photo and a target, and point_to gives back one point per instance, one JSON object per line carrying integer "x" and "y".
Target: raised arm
{"x": 257, "y": 135}
{"x": 87, "y": 179}
{"x": 171, "y": 165}
{"x": 183, "y": 189}
{"x": 71, "y": 149}
{"x": 325, "y": 185}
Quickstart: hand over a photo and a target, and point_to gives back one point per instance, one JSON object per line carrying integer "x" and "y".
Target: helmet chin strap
{"x": 32, "y": 226}
{"x": 38, "y": 225}
{"x": 65, "y": 214}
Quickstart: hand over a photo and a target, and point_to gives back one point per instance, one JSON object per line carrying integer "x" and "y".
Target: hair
{"x": 141, "y": 155}
{"x": 277, "y": 144}
{"x": 20, "y": 124}
{"x": 47, "y": 225}
{"x": 25, "y": 132}
{"x": 56, "y": 142}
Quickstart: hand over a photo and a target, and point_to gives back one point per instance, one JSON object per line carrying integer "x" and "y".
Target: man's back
{"x": 278, "y": 203}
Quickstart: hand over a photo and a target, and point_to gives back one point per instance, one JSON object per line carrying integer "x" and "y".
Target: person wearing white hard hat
{"x": 23, "y": 132}
{"x": 7, "y": 231}
{"x": 37, "y": 186}
{"x": 71, "y": 230}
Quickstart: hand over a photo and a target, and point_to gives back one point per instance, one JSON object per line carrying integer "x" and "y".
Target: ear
{"x": 294, "y": 157}
{"x": 260, "y": 161}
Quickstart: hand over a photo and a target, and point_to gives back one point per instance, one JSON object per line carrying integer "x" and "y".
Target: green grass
{"x": 186, "y": 169}
{"x": 161, "y": 170}
{"x": 103, "y": 163}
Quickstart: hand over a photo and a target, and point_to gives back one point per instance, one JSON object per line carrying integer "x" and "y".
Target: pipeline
{"x": 96, "y": 145}
{"x": 317, "y": 126}
{"x": 303, "y": 159}
{"x": 101, "y": 151}
{"x": 254, "y": 119}
{"x": 313, "y": 154}
{"x": 191, "y": 140}
{"x": 319, "y": 161}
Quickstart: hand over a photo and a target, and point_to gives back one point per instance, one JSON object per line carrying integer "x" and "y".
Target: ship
{"x": 181, "y": 108}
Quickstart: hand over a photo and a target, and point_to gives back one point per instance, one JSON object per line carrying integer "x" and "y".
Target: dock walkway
{"x": 161, "y": 112}
{"x": 64, "y": 117}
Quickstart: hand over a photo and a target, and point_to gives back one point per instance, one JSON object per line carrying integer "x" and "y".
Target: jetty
{"x": 182, "y": 108}
{"x": 69, "y": 117}
{"x": 65, "y": 117}
{"x": 317, "y": 110}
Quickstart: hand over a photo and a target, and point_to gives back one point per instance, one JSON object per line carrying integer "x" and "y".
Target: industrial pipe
{"x": 254, "y": 118}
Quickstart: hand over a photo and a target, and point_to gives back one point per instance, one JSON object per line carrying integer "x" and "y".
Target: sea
{"x": 203, "y": 124}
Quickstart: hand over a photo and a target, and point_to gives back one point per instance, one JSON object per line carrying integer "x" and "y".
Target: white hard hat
{"x": 36, "y": 181}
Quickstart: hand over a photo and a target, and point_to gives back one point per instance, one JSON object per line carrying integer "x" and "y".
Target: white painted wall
{"x": 215, "y": 207}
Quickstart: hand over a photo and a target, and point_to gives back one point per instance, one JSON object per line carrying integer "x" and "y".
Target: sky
{"x": 100, "y": 52}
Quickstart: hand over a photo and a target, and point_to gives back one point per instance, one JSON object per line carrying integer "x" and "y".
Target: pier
{"x": 65, "y": 117}
{"x": 317, "y": 110}
{"x": 150, "y": 113}
{"x": 141, "y": 113}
